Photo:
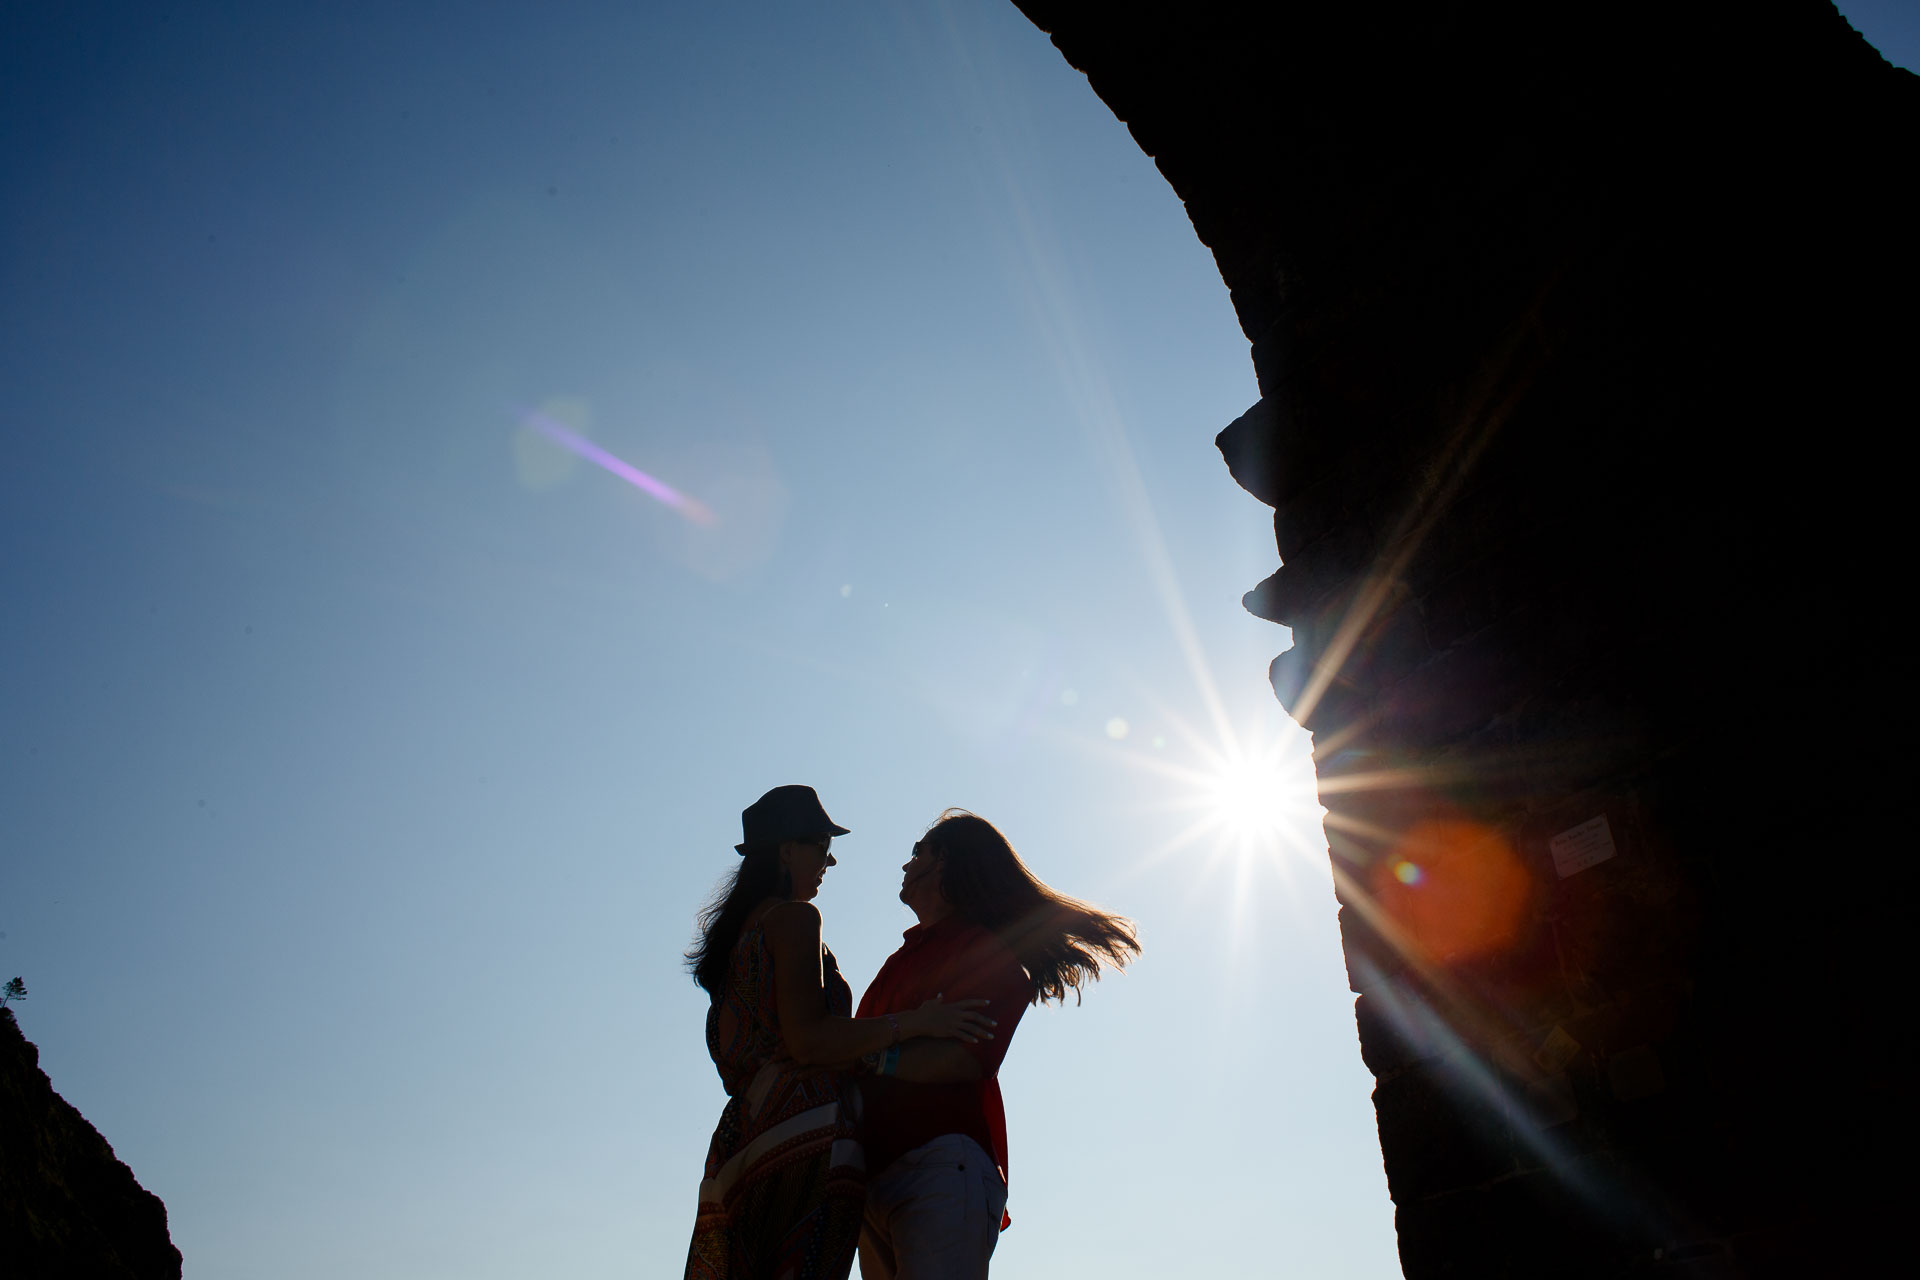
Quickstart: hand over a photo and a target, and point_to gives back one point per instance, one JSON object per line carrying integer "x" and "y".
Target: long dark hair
{"x": 1061, "y": 942}
{"x": 759, "y": 877}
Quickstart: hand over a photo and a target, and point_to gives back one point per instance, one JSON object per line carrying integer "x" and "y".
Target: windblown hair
{"x": 1061, "y": 942}
{"x": 717, "y": 927}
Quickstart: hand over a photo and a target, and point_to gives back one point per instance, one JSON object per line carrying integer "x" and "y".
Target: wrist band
{"x": 895, "y": 1026}
{"x": 889, "y": 1061}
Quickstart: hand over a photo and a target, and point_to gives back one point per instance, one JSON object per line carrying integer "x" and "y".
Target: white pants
{"x": 933, "y": 1214}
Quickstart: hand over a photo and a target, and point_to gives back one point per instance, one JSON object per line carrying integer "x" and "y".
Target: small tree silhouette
{"x": 16, "y": 989}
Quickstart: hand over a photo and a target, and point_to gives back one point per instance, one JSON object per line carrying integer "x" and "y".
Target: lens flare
{"x": 572, "y": 441}
{"x": 1455, "y": 887}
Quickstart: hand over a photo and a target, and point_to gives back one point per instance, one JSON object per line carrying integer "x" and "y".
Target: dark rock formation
{"x": 1585, "y": 338}
{"x": 68, "y": 1209}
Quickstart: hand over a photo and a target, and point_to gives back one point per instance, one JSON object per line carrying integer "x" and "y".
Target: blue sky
{"x": 367, "y": 755}
{"x": 1891, "y": 26}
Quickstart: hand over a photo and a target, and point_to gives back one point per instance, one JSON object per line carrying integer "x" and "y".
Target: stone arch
{"x": 1584, "y": 338}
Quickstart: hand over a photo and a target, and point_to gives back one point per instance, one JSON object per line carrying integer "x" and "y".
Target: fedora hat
{"x": 784, "y": 813}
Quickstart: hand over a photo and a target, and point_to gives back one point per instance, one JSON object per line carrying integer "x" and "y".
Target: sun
{"x": 1248, "y": 799}
{"x": 1251, "y": 799}
{"x": 1257, "y": 798}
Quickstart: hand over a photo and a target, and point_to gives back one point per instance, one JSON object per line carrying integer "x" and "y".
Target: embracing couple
{"x": 881, "y": 1129}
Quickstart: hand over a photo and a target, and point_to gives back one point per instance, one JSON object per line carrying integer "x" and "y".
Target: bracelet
{"x": 895, "y": 1026}
{"x": 889, "y": 1062}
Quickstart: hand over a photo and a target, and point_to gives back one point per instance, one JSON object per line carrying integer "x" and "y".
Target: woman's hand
{"x": 961, "y": 1020}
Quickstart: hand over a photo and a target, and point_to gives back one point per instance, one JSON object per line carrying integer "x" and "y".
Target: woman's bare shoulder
{"x": 791, "y": 920}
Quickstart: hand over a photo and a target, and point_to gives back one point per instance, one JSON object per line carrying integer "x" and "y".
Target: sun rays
{"x": 1245, "y": 814}
{"x": 1247, "y": 800}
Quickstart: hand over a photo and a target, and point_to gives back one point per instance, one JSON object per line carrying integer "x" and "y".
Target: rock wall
{"x": 1586, "y": 341}
{"x": 69, "y": 1210}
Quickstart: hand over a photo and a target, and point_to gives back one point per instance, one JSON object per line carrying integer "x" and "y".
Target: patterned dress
{"x": 785, "y": 1185}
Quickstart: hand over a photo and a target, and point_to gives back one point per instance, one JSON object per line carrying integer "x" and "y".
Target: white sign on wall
{"x": 1577, "y": 848}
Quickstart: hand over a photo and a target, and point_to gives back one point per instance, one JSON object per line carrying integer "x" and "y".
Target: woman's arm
{"x": 817, "y": 1038}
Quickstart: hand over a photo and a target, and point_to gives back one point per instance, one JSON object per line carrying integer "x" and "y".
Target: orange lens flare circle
{"x": 1456, "y": 887}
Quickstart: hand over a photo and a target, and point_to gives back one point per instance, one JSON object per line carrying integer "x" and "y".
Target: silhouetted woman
{"x": 935, "y": 1128}
{"x": 787, "y": 1207}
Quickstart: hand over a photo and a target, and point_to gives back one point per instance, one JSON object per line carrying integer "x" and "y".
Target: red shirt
{"x": 957, "y": 961}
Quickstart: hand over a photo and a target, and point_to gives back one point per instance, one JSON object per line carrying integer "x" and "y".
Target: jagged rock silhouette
{"x": 69, "y": 1209}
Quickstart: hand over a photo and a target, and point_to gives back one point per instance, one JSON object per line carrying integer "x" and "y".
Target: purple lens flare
{"x": 572, "y": 441}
